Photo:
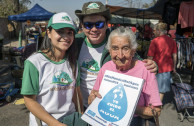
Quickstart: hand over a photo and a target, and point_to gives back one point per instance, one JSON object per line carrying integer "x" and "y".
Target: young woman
{"x": 51, "y": 77}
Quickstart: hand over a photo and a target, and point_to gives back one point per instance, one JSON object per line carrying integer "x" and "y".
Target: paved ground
{"x": 17, "y": 115}
{"x": 169, "y": 114}
{"x": 13, "y": 115}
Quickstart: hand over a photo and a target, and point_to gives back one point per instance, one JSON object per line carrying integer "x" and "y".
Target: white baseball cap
{"x": 61, "y": 20}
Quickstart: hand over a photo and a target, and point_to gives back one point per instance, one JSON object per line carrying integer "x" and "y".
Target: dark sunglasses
{"x": 90, "y": 25}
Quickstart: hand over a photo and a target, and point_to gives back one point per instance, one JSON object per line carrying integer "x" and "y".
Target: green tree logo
{"x": 93, "y": 6}
{"x": 61, "y": 78}
{"x": 66, "y": 18}
{"x": 90, "y": 65}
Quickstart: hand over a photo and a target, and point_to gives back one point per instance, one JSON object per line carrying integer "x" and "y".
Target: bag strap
{"x": 155, "y": 114}
{"x": 77, "y": 95}
{"x": 78, "y": 102}
{"x": 179, "y": 77}
{"x": 147, "y": 122}
{"x": 39, "y": 122}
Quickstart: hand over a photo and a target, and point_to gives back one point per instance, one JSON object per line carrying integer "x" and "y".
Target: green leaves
{"x": 13, "y": 7}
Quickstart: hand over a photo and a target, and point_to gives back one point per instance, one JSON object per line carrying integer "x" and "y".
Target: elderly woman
{"x": 122, "y": 47}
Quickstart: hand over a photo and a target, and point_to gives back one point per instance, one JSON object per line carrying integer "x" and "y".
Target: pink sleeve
{"x": 180, "y": 14}
{"x": 151, "y": 92}
{"x": 99, "y": 79}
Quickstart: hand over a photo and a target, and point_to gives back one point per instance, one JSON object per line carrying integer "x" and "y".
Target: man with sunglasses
{"x": 94, "y": 18}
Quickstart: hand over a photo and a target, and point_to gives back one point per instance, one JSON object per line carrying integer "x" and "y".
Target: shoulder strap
{"x": 78, "y": 102}
{"x": 77, "y": 95}
{"x": 39, "y": 122}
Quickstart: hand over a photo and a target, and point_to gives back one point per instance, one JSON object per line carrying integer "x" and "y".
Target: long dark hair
{"x": 71, "y": 53}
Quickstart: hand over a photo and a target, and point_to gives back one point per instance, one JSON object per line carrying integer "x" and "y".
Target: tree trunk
{"x": 17, "y": 5}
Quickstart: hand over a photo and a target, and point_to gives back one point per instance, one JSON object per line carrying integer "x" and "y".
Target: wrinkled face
{"x": 94, "y": 29}
{"x": 121, "y": 52}
{"x": 62, "y": 38}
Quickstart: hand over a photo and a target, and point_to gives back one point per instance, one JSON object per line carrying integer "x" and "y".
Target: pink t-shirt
{"x": 149, "y": 94}
{"x": 186, "y": 14}
{"x": 161, "y": 49}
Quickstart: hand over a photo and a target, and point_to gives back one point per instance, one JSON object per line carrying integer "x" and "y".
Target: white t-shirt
{"x": 89, "y": 61}
{"x": 52, "y": 82}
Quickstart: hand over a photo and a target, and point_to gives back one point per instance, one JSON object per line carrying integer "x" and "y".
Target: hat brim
{"x": 105, "y": 13}
{"x": 63, "y": 25}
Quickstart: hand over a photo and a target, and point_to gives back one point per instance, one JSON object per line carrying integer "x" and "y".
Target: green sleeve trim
{"x": 95, "y": 45}
{"x": 30, "y": 81}
{"x": 60, "y": 62}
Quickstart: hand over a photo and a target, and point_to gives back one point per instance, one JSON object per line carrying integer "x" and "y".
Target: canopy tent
{"x": 127, "y": 20}
{"x": 158, "y": 8}
{"x": 154, "y": 12}
{"x": 36, "y": 13}
{"x": 134, "y": 12}
{"x": 144, "y": 14}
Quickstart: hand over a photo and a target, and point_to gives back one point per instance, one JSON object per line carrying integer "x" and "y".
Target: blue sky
{"x": 70, "y": 6}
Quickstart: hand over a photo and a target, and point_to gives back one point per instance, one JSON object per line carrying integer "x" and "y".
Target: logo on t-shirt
{"x": 61, "y": 78}
{"x": 91, "y": 65}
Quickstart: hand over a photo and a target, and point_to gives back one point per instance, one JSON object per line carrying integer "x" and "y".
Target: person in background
{"x": 122, "y": 46}
{"x": 148, "y": 32}
{"x": 94, "y": 18}
{"x": 51, "y": 78}
{"x": 163, "y": 51}
{"x": 172, "y": 32}
{"x": 133, "y": 29}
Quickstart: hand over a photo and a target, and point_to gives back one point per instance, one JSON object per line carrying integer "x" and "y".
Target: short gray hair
{"x": 162, "y": 27}
{"x": 123, "y": 32}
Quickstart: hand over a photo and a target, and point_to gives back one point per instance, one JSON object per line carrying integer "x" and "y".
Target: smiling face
{"x": 62, "y": 38}
{"x": 95, "y": 35}
{"x": 121, "y": 52}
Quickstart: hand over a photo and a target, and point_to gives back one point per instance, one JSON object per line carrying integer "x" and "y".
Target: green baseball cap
{"x": 94, "y": 7}
{"x": 61, "y": 20}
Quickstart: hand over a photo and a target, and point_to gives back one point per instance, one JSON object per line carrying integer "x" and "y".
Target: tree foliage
{"x": 134, "y": 3}
{"x": 139, "y": 4}
{"x": 13, "y": 7}
{"x": 146, "y": 5}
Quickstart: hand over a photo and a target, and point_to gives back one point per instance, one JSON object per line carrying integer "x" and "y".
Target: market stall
{"x": 140, "y": 15}
{"x": 36, "y": 13}
{"x": 17, "y": 55}
{"x": 179, "y": 15}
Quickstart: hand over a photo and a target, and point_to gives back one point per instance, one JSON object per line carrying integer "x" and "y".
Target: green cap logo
{"x": 66, "y": 18}
{"x": 93, "y": 6}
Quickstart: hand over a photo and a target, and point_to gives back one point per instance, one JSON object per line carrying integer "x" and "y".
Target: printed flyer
{"x": 120, "y": 94}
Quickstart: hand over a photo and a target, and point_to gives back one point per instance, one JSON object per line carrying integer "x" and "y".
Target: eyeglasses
{"x": 90, "y": 25}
